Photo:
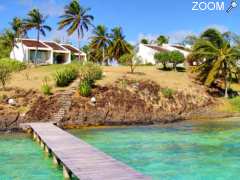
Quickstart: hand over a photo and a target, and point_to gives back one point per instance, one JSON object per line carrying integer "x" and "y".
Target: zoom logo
{"x": 208, "y": 6}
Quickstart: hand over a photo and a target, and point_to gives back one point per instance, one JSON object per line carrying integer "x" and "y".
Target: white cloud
{"x": 179, "y": 36}
{"x": 47, "y": 7}
{"x": 221, "y": 28}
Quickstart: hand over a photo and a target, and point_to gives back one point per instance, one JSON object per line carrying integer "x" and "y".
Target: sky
{"x": 138, "y": 18}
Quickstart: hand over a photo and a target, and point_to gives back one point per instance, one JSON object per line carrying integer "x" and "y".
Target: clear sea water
{"x": 203, "y": 151}
{"x": 23, "y": 159}
{"x": 188, "y": 150}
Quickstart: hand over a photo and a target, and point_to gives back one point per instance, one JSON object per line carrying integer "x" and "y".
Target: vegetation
{"x": 163, "y": 58}
{"x": 14, "y": 66}
{"x": 130, "y": 59}
{"x": 7, "y": 42}
{"x": 167, "y": 92}
{"x": 90, "y": 72}
{"x": 46, "y": 88}
{"x": 217, "y": 59}
{"x": 144, "y": 41}
{"x": 190, "y": 40}
{"x": 75, "y": 17}
{"x": 162, "y": 40}
{"x": 36, "y": 20}
{"x": 101, "y": 42}
{"x": 176, "y": 58}
{"x": 84, "y": 88}
{"x": 119, "y": 45}
{"x": 5, "y": 74}
{"x": 66, "y": 75}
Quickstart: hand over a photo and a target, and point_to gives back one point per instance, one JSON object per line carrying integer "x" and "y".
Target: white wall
{"x": 19, "y": 53}
{"x": 146, "y": 54}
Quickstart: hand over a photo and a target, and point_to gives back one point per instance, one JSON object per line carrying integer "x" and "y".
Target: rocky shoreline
{"x": 126, "y": 102}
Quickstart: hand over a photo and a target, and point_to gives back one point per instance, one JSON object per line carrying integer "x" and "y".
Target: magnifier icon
{"x": 233, "y": 5}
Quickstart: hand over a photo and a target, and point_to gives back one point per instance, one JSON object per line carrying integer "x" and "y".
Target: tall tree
{"x": 101, "y": 40}
{"x": 18, "y": 28}
{"x": 162, "y": 40}
{"x": 219, "y": 61}
{"x": 190, "y": 40}
{"x": 144, "y": 41}
{"x": 36, "y": 20}
{"x": 7, "y": 42}
{"x": 76, "y": 18}
{"x": 119, "y": 45}
{"x": 214, "y": 36}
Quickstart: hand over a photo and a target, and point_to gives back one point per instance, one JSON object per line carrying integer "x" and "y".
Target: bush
{"x": 176, "y": 58}
{"x": 163, "y": 58}
{"x": 85, "y": 88}
{"x": 91, "y": 72}
{"x": 13, "y": 65}
{"x": 66, "y": 75}
{"x": 46, "y": 89}
{"x": 5, "y": 74}
{"x": 167, "y": 92}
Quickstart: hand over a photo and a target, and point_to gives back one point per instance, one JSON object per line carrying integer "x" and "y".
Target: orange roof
{"x": 55, "y": 46}
{"x": 33, "y": 43}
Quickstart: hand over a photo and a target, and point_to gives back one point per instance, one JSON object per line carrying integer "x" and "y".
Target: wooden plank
{"x": 81, "y": 159}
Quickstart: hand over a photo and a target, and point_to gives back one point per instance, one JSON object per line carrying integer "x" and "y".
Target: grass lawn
{"x": 171, "y": 79}
{"x": 32, "y": 78}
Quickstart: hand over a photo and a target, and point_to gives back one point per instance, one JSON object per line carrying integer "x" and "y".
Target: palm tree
{"x": 219, "y": 61}
{"x": 101, "y": 40}
{"x": 162, "y": 40}
{"x": 18, "y": 28}
{"x": 76, "y": 19}
{"x": 119, "y": 45}
{"x": 36, "y": 20}
{"x": 8, "y": 40}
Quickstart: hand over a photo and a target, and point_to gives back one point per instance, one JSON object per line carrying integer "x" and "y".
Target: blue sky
{"x": 138, "y": 18}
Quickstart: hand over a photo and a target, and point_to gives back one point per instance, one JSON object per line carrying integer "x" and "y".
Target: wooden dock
{"x": 78, "y": 158}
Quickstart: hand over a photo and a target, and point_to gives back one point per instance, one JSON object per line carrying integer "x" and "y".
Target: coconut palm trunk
{"x": 79, "y": 45}
{"x": 226, "y": 81}
{"x": 36, "y": 51}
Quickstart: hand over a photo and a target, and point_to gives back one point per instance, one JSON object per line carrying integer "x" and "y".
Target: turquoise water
{"x": 206, "y": 150}
{"x": 23, "y": 159}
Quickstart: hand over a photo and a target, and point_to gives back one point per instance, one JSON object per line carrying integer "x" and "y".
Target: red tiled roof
{"x": 33, "y": 43}
{"x": 55, "y": 46}
{"x": 70, "y": 48}
{"x": 157, "y": 48}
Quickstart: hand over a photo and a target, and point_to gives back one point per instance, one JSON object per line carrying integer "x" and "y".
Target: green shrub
{"x": 91, "y": 72}
{"x": 46, "y": 89}
{"x": 13, "y": 65}
{"x": 167, "y": 92}
{"x": 66, "y": 75}
{"x": 235, "y": 102}
{"x": 5, "y": 74}
{"x": 85, "y": 88}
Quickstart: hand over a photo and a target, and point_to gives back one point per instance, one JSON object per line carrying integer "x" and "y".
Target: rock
{"x": 93, "y": 100}
{"x": 12, "y": 102}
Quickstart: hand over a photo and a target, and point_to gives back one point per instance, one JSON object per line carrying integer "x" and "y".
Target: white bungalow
{"x": 146, "y": 51}
{"x": 49, "y": 52}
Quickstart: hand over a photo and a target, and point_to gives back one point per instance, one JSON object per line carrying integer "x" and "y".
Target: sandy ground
{"x": 34, "y": 77}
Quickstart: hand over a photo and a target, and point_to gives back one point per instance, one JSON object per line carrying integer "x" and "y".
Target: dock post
{"x": 41, "y": 144}
{"x": 34, "y": 136}
{"x": 55, "y": 160}
{"x": 47, "y": 151}
{"x": 66, "y": 173}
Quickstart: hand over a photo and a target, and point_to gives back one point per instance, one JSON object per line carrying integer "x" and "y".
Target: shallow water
{"x": 23, "y": 159}
{"x": 189, "y": 150}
